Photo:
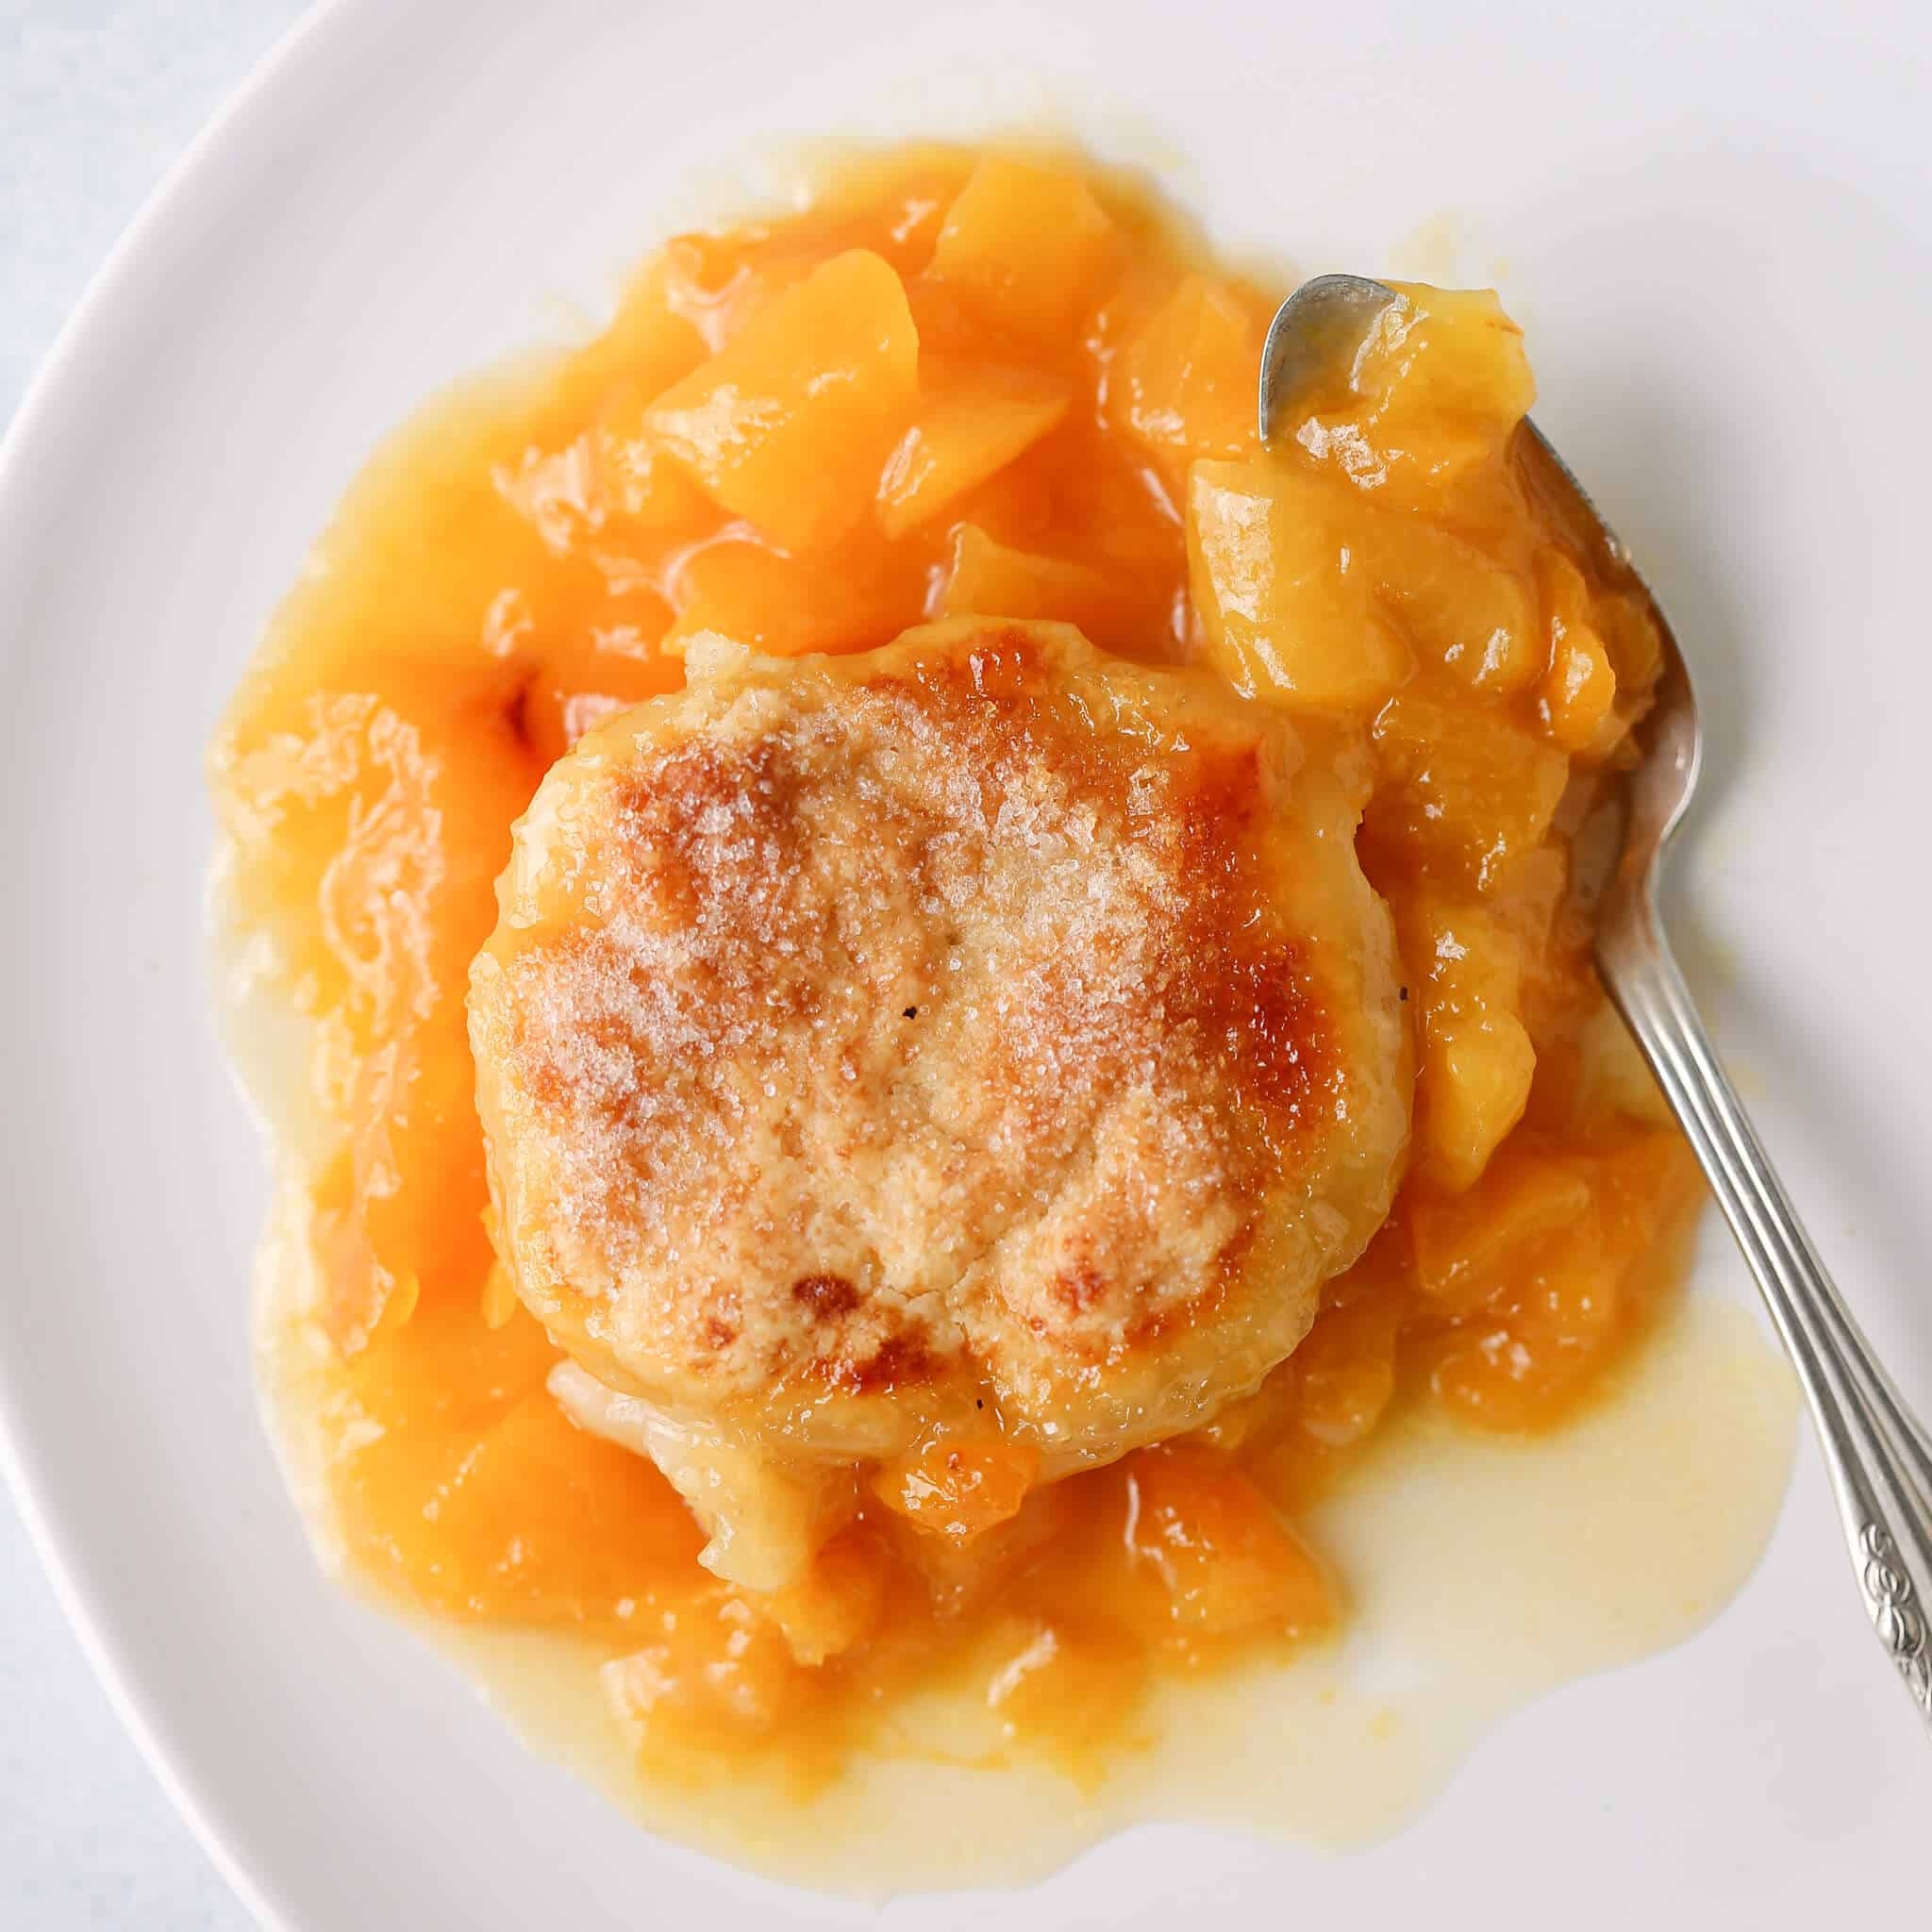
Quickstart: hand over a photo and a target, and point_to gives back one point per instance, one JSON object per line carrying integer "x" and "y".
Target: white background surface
{"x": 1748, "y": 441}
{"x": 96, "y": 100}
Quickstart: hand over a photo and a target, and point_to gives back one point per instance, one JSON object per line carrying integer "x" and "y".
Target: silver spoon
{"x": 1879, "y": 1454}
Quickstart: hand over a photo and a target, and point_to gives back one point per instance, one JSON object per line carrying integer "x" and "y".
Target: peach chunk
{"x": 475, "y": 1495}
{"x": 382, "y": 820}
{"x": 1466, "y": 795}
{"x": 1455, "y": 605}
{"x": 836, "y": 1603}
{"x": 1579, "y": 685}
{"x": 971, "y": 423}
{"x": 604, "y": 1521}
{"x": 1645, "y": 1180}
{"x": 787, "y": 606}
{"x": 1552, "y": 1330}
{"x": 1346, "y": 1370}
{"x": 963, "y": 1574}
{"x": 1221, "y": 1560}
{"x": 1631, "y": 639}
{"x": 956, "y": 1485}
{"x": 1633, "y": 648}
{"x": 1185, "y": 382}
{"x": 1073, "y": 1684}
{"x": 1435, "y": 387}
{"x": 1284, "y": 595}
{"x": 789, "y": 425}
{"x": 1023, "y": 248}
{"x": 714, "y": 1667}
{"x": 992, "y": 579}
{"x": 1476, "y": 1061}
{"x": 1565, "y": 1297}
{"x": 1466, "y": 1244}
{"x": 1447, "y": 353}
{"x": 637, "y": 485}
{"x": 1578, "y": 691}
{"x": 647, "y": 340}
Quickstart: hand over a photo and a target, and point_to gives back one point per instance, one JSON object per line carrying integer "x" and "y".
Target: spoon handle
{"x": 1879, "y": 1454}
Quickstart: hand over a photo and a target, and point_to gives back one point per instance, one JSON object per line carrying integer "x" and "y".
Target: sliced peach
{"x": 836, "y": 1603}
{"x": 1435, "y": 391}
{"x": 1643, "y": 1179}
{"x": 475, "y": 1495}
{"x": 896, "y": 205}
{"x": 1447, "y": 353}
{"x": 639, "y": 487}
{"x": 971, "y": 423}
{"x": 789, "y": 425}
{"x": 648, "y": 341}
{"x": 1478, "y": 1076}
{"x": 1562, "y": 1305}
{"x": 1224, "y": 1562}
{"x": 1578, "y": 691}
{"x": 1344, "y": 1370}
{"x": 961, "y": 1575}
{"x": 1634, "y": 648}
{"x": 1554, "y": 1331}
{"x": 1631, "y": 639}
{"x": 990, "y": 579}
{"x": 1458, "y": 607}
{"x": 379, "y": 822}
{"x": 541, "y": 1523}
{"x": 1476, "y": 1061}
{"x": 787, "y": 606}
{"x": 1284, "y": 598}
{"x": 443, "y": 1377}
{"x": 1025, "y": 249}
{"x": 714, "y": 1668}
{"x": 1465, "y": 794}
{"x": 1067, "y": 1684}
{"x": 1466, "y": 1244}
{"x": 1185, "y": 383}
{"x": 959, "y": 1486}
{"x": 1579, "y": 685}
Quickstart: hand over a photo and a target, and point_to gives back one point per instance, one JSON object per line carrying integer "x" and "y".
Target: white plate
{"x": 1711, "y": 226}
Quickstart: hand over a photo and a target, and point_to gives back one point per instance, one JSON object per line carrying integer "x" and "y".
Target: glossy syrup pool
{"x": 1509, "y": 1453}
{"x": 1483, "y": 1572}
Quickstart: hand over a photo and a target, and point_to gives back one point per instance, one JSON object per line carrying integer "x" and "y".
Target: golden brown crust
{"x": 981, "y": 1013}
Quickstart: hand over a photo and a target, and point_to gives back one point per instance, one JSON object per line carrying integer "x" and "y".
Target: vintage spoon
{"x": 1879, "y": 1454}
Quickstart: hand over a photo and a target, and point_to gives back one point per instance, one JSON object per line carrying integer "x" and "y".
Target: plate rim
{"x": 66, "y": 364}
{"x": 73, "y": 363}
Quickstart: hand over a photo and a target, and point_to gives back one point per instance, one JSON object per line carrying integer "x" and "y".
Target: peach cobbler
{"x": 928, "y": 982}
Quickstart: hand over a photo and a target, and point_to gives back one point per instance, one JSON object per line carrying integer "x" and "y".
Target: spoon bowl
{"x": 1877, "y": 1453}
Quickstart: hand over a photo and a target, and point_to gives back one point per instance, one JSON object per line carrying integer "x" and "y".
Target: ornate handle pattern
{"x": 1879, "y": 1454}
{"x": 1895, "y": 1612}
